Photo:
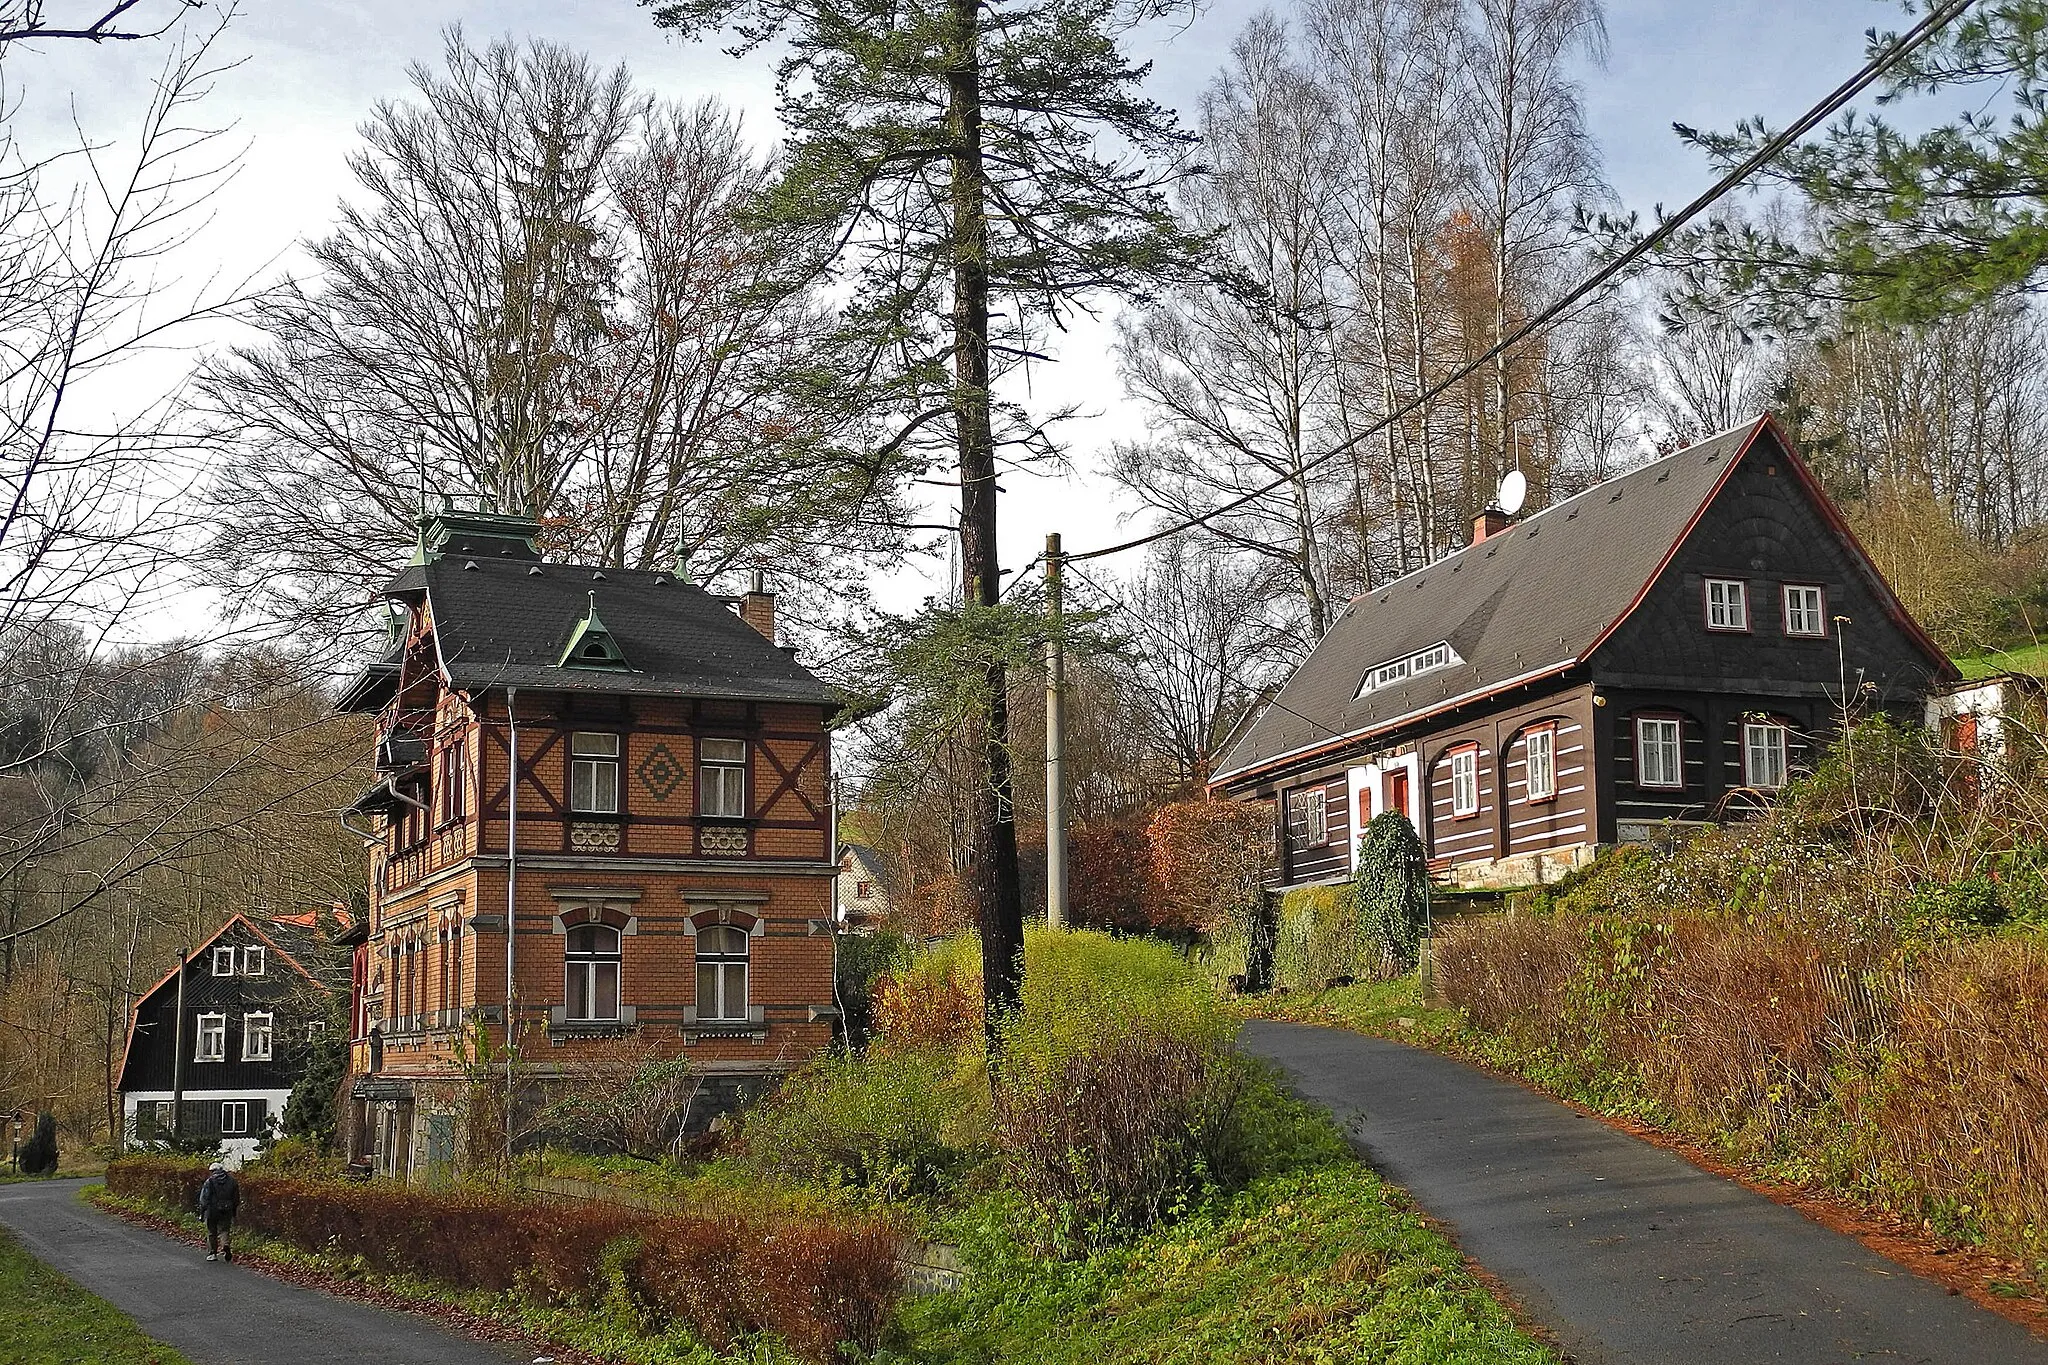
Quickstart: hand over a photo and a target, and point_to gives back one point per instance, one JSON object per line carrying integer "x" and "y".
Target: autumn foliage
{"x": 813, "y": 1282}
{"x": 1207, "y": 862}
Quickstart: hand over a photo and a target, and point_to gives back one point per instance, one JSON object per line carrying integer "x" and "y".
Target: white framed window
{"x": 234, "y": 1117}
{"x": 1806, "y": 610}
{"x": 592, "y": 954}
{"x": 1539, "y": 752}
{"x": 153, "y": 1119}
{"x": 211, "y": 1043}
{"x": 1660, "y": 752}
{"x": 1727, "y": 604}
{"x": 722, "y": 778}
{"x": 223, "y": 961}
{"x": 1465, "y": 781}
{"x": 593, "y": 773}
{"x": 1439, "y": 655}
{"x": 254, "y": 961}
{"x": 256, "y": 1031}
{"x": 1763, "y": 755}
{"x": 1315, "y": 805}
{"x": 722, "y": 972}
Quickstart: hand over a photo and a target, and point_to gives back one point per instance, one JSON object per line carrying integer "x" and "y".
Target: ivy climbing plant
{"x": 1390, "y": 890}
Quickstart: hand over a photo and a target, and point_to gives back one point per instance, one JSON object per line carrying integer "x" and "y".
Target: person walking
{"x": 219, "y": 1199}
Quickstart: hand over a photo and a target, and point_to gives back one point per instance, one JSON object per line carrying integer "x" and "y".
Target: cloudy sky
{"x": 312, "y": 69}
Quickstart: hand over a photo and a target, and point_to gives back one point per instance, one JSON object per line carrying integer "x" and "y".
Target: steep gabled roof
{"x": 270, "y": 939}
{"x": 501, "y": 621}
{"x": 1530, "y": 602}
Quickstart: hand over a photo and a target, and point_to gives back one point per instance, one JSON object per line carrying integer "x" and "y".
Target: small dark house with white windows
{"x": 1666, "y": 647}
{"x": 224, "y": 1068}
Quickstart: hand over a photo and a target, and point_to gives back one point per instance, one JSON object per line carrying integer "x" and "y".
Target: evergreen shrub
{"x": 38, "y": 1156}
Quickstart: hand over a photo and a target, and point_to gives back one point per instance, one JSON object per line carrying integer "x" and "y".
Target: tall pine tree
{"x": 986, "y": 167}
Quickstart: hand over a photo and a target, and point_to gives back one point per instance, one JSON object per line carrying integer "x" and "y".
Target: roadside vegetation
{"x": 45, "y": 1319}
{"x": 1847, "y": 994}
{"x": 1131, "y": 1188}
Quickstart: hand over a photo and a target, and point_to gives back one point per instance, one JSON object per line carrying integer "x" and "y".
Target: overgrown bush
{"x": 1115, "y": 1090}
{"x": 896, "y": 1123}
{"x": 934, "y": 1000}
{"x": 861, "y": 962}
{"x": 1319, "y": 939}
{"x": 1123, "y": 1134}
{"x": 812, "y": 1282}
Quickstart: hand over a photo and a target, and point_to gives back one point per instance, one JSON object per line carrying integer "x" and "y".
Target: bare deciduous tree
{"x": 547, "y": 301}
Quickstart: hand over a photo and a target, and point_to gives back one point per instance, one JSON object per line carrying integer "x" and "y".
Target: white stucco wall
{"x": 234, "y": 1150}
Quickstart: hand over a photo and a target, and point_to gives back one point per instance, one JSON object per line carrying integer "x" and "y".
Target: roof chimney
{"x": 757, "y": 607}
{"x": 1490, "y": 522}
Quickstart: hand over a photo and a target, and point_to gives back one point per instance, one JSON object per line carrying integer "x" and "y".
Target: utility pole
{"x": 1055, "y": 743}
{"x": 178, "y": 1053}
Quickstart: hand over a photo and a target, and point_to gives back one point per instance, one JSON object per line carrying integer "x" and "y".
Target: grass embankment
{"x": 1134, "y": 1191}
{"x": 1325, "y": 1264}
{"x": 45, "y": 1319}
{"x": 1750, "y": 997}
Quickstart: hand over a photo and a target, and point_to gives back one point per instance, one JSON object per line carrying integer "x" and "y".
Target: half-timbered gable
{"x": 603, "y": 813}
{"x": 1673, "y": 644}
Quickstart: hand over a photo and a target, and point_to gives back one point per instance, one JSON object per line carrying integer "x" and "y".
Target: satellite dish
{"x": 1514, "y": 490}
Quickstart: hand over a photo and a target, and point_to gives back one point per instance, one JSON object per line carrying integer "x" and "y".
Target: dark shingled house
{"x": 253, "y": 994}
{"x": 1667, "y": 646}
{"x": 628, "y": 772}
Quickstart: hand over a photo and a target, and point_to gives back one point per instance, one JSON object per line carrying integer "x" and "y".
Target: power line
{"x": 1935, "y": 20}
{"x": 1171, "y": 643}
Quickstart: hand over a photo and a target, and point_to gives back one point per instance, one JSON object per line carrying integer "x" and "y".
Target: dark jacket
{"x": 220, "y": 1196}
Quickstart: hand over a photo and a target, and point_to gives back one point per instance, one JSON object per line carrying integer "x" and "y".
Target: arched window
{"x": 593, "y": 968}
{"x": 721, "y": 972}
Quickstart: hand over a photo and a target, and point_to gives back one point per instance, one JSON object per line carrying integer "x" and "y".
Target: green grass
{"x": 1322, "y": 1265}
{"x": 1386, "y": 1009}
{"x": 2033, "y": 660}
{"x": 47, "y": 1320}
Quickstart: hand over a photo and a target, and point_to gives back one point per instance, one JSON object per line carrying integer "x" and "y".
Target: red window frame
{"x": 1785, "y": 610}
{"x": 1451, "y": 757}
{"x": 1707, "y": 605}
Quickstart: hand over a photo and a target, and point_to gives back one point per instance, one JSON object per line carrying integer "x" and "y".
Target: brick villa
{"x": 665, "y": 852}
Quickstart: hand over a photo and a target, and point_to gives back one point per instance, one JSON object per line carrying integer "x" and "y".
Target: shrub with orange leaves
{"x": 1208, "y": 860}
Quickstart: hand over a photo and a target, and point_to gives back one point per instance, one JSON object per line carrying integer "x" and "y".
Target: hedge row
{"x": 813, "y": 1283}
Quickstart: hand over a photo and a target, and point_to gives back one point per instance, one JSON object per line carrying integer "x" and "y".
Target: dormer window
{"x": 592, "y": 644}
{"x": 1438, "y": 656}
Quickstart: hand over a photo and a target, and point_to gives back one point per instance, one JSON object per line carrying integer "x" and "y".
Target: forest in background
{"x": 554, "y": 294}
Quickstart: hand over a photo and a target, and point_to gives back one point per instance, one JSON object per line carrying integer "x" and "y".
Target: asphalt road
{"x": 1628, "y": 1253}
{"x": 219, "y": 1314}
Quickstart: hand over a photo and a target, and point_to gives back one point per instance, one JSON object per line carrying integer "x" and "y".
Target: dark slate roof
{"x": 1530, "y": 601}
{"x": 502, "y": 622}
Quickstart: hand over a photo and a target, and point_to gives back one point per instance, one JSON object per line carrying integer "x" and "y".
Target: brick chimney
{"x": 757, "y": 607}
{"x": 1491, "y": 522}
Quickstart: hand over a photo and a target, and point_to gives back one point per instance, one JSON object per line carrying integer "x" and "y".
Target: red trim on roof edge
{"x": 135, "y": 1010}
{"x": 1945, "y": 667}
